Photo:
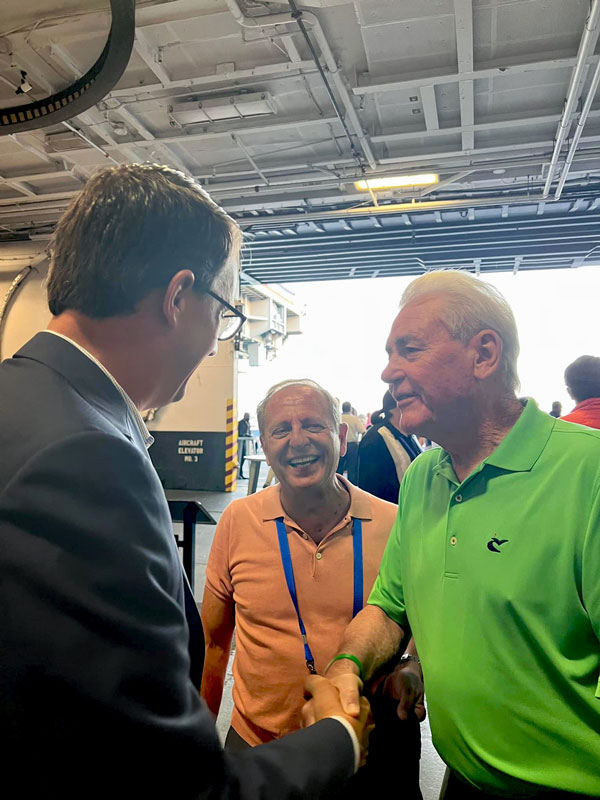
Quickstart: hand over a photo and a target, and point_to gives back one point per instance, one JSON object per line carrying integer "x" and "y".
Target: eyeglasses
{"x": 231, "y": 320}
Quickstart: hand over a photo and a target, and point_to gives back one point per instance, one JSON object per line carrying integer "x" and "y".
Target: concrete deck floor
{"x": 432, "y": 767}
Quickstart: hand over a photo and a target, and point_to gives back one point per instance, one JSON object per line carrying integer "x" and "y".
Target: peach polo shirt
{"x": 244, "y": 567}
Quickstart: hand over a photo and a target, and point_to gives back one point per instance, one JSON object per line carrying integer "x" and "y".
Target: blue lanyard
{"x": 286, "y": 560}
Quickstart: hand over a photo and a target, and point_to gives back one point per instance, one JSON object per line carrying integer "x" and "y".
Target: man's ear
{"x": 174, "y": 296}
{"x": 262, "y": 444}
{"x": 487, "y": 345}
{"x": 343, "y": 433}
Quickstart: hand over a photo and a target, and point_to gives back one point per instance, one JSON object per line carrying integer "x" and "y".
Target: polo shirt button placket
{"x": 452, "y": 551}
{"x": 319, "y": 556}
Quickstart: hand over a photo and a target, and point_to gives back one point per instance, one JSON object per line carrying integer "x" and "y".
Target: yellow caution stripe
{"x": 231, "y": 448}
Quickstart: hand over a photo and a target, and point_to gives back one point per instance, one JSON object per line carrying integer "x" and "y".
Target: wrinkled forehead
{"x": 297, "y": 400}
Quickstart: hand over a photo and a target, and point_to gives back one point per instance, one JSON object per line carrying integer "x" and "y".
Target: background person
{"x": 556, "y": 409}
{"x": 494, "y": 558}
{"x": 583, "y": 384}
{"x": 349, "y": 461}
{"x": 330, "y": 536}
{"x": 385, "y": 453}
{"x": 102, "y": 645}
{"x": 244, "y": 439}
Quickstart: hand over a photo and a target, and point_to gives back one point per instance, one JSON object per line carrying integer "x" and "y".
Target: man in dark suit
{"x": 101, "y": 647}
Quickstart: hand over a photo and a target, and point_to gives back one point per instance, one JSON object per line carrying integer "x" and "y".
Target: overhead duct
{"x": 217, "y": 109}
{"x": 87, "y": 90}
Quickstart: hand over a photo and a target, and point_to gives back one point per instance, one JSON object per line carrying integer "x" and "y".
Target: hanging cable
{"x": 297, "y": 15}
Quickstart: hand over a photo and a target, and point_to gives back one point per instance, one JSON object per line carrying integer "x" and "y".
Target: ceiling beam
{"x": 22, "y": 187}
{"x": 463, "y": 16}
{"x": 60, "y": 53}
{"x": 151, "y": 56}
{"x": 131, "y": 120}
{"x": 220, "y": 130}
{"x": 230, "y": 76}
{"x": 170, "y": 158}
{"x": 430, "y": 112}
{"x": 38, "y": 70}
{"x": 31, "y": 148}
{"x": 495, "y": 124}
{"x": 446, "y": 182}
{"x": 458, "y": 155}
{"x": 484, "y": 70}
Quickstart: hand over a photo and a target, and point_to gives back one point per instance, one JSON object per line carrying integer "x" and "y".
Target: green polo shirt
{"x": 499, "y": 577}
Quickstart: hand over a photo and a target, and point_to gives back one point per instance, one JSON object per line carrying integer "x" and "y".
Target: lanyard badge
{"x": 286, "y": 560}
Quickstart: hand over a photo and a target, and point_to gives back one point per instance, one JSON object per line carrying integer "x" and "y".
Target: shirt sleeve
{"x": 218, "y": 575}
{"x": 591, "y": 570}
{"x": 388, "y": 592}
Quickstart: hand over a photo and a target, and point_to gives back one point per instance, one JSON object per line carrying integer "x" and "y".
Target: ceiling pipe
{"x": 586, "y": 48}
{"x": 578, "y": 131}
{"x": 271, "y": 20}
{"x": 338, "y": 80}
{"x": 298, "y": 16}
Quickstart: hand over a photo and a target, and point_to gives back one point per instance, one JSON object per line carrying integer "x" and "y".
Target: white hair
{"x": 471, "y": 305}
{"x": 333, "y": 404}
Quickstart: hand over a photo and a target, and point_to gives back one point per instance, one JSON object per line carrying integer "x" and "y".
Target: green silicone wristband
{"x": 350, "y": 657}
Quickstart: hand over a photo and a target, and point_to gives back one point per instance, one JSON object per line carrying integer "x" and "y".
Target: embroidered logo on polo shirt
{"x": 494, "y": 543}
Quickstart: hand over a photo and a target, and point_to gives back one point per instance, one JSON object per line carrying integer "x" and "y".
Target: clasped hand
{"x": 327, "y": 699}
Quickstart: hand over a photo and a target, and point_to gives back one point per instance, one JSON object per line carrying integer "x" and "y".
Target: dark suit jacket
{"x": 95, "y": 691}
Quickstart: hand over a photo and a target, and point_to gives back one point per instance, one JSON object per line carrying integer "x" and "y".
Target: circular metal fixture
{"x": 87, "y": 90}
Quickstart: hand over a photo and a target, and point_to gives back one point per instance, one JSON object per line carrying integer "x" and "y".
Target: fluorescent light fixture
{"x": 397, "y": 182}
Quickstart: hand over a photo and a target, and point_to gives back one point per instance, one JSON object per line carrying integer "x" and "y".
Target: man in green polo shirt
{"x": 494, "y": 560}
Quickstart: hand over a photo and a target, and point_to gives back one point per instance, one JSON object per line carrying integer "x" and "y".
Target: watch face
{"x": 408, "y": 657}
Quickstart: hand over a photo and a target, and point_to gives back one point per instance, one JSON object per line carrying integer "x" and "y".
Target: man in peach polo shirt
{"x": 296, "y": 558}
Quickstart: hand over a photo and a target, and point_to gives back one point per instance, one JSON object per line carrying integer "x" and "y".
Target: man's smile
{"x": 302, "y": 461}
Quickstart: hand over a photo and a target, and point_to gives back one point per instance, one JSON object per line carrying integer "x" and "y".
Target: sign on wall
{"x": 190, "y": 460}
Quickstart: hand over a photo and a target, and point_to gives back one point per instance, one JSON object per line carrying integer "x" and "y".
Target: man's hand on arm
{"x": 405, "y": 684}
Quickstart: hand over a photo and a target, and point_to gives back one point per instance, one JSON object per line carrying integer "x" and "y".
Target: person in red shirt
{"x": 583, "y": 384}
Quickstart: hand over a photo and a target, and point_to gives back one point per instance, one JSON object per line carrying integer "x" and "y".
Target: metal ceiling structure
{"x": 278, "y": 108}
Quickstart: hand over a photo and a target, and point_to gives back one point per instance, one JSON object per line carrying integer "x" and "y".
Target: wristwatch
{"x": 409, "y": 657}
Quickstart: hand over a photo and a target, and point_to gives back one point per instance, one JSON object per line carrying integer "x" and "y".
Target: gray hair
{"x": 334, "y": 405}
{"x": 471, "y": 306}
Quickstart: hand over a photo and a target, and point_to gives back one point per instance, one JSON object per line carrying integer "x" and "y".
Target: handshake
{"x": 340, "y": 695}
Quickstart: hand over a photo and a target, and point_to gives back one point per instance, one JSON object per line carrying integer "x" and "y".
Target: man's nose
{"x": 298, "y": 436}
{"x": 393, "y": 371}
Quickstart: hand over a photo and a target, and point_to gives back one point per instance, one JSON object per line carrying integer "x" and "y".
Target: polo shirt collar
{"x": 360, "y": 504}
{"x": 520, "y": 448}
{"x": 525, "y": 442}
